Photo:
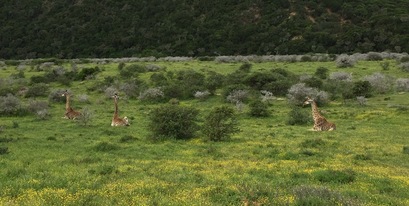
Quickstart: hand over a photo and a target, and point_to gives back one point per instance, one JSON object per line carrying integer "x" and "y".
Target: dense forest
{"x": 124, "y": 28}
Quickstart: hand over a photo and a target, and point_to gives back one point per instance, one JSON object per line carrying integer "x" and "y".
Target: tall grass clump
{"x": 173, "y": 121}
{"x": 220, "y": 124}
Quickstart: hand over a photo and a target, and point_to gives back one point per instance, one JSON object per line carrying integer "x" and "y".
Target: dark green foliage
{"x": 4, "y": 150}
{"x": 173, "y": 121}
{"x": 335, "y": 176}
{"x": 87, "y": 73}
{"x": 258, "y": 109}
{"x": 214, "y": 81}
{"x": 298, "y": 116}
{"x": 314, "y": 82}
{"x": 220, "y": 124}
{"x": 362, "y": 88}
{"x": 90, "y": 29}
{"x": 405, "y": 150}
{"x": 37, "y": 90}
{"x": 321, "y": 72}
{"x": 131, "y": 70}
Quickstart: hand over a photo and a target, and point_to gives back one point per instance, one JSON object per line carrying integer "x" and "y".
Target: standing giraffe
{"x": 116, "y": 120}
{"x": 69, "y": 112}
{"x": 320, "y": 123}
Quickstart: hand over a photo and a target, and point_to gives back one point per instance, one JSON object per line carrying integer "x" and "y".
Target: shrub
{"x": 214, "y": 81}
{"x": 267, "y": 97}
{"x": 404, "y": 66}
{"x": 362, "y": 101}
{"x": 374, "y": 56}
{"x": 341, "y": 76}
{"x": 344, "y": 60}
{"x": 380, "y": 82}
{"x": 56, "y": 96}
{"x": 313, "y": 82}
{"x": 335, "y": 176}
{"x": 34, "y": 106}
{"x": 86, "y": 117}
{"x": 131, "y": 70}
{"x": 297, "y": 93}
{"x": 37, "y": 90}
{"x": 152, "y": 95}
{"x": 110, "y": 91}
{"x": 83, "y": 98}
{"x": 9, "y": 104}
{"x": 402, "y": 84}
{"x": 202, "y": 95}
{"x": 258, "y": 109}
{"x": 220, "y": 124}
{"x": 298, "y": 116}
{"x": 88, "y": 73}
{"x": 173, "y": 121}
{"x": 362, "y": 88}
{"x": 43, "y": 114}
{"x": 237, "y": 96}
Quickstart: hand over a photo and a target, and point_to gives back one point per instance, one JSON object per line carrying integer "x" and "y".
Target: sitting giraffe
{"x": 320, "y": 123}
{"x": 69, "y": 112}
{"x": 116, "y": 120}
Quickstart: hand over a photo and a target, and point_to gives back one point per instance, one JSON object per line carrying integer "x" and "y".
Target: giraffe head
{"x": 126, "y": 121}
{"x": 115, "y": 96}
{"x": 65, "y": 93}
{"x": 308, "y": 100}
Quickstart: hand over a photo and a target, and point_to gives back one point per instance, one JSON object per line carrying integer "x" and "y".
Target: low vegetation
{"x": 213, "y": 132}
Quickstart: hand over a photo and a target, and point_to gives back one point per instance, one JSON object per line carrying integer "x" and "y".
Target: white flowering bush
{"x": 380, "y": 82}
{"x": 344, "y": 61}
{"x": 151, "y": 94}
{"x": 402, "y": 84}
{"x": 202, "y": 95}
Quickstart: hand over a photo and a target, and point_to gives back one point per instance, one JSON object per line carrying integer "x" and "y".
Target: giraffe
{"x": 320, "y": 123}
{"x": 116, "y": 120}
{"x": 69, "y": 112}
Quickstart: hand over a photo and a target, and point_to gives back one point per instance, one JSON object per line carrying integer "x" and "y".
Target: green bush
{"x": 258, "y": 109}
{"x": 297, "y": 116}
{"x": 37, "y": 90}
{"x": 4, "y": 150}
{"x": 321, "y": 72}
{"x": 173, "y": 121}
{"x": 362, "y": 88}
{"x": 220, "y": 124}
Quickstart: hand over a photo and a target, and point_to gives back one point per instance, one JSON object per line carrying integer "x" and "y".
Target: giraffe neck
{"x": 67, "y": 103}
{"x": 116, "y": 107}
{"x": 315, "y": 113}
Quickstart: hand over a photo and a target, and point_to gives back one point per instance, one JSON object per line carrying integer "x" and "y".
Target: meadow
{"x": 55, "y": 161}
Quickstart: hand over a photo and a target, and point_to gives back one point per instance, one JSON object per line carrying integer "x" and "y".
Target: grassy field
{"x": 60, "y": 162}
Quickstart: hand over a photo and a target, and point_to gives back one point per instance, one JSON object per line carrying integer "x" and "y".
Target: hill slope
{"x": 117, "y": 28}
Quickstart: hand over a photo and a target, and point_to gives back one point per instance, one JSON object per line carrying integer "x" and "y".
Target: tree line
{"x": 123, "y": 28}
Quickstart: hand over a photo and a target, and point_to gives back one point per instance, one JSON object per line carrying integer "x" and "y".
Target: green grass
{"x": 59, "y": 162}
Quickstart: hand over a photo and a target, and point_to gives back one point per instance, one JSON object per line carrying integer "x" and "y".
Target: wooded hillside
{"x": 122, "y": 28}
